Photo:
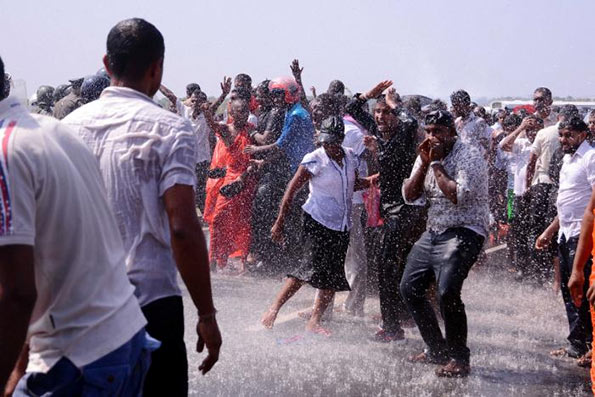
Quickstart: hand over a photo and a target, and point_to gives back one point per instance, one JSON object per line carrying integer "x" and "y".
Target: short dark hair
{"x": 568, "y": 111}
{"x": 132, "y": 46}
{"x": 512, "y": 120}
{"x": 2, "y": 79}
{"x": 574, "y": 124}
{"x": 545, "y": 91}
{"x": 440, "y": 117}
{"x": 243, "y": 77}
{"x": 460, "y": 96}
{"x": 336, "y": 87}
{"x": 331, "y": 103}
{"x": 190, "y": 88}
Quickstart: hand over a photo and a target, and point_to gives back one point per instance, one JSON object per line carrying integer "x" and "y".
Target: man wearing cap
{"x": 70, "y": 102}
{"x": 452, "y": 177}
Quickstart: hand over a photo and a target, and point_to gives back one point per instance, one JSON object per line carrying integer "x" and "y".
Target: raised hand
{"x": 392, "y": 98}
{"x": 226, "y": 86}
{"x": 378, "y": 89}
{"x": 296, "y": 70}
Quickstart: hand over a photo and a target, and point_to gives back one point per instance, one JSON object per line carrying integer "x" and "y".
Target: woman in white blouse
{"x": 331, "y": 171}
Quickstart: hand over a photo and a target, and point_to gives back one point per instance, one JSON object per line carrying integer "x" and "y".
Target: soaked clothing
{"x": 396, "y": 157}
{"x": 229, "y": 217}
{"x": 467, "y": 166}
{"x": 53, "y": 200}
{"x": 143, "y": 150}
{"x": 297, "y": 137}
{"x": 474, "y": 131}
{"x": 445, "y": 258}
{"x": 324, "y": 250}
{"x": 67, "y": 105}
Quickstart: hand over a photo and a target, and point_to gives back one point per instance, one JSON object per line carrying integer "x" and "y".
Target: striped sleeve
{"x": 17, "y": 193}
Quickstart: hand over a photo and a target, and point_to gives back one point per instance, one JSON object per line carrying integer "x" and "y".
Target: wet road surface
{"x": 512, "y": 329}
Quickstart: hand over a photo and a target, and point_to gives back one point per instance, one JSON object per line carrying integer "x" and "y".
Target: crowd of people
{"x": 102, "y": 210}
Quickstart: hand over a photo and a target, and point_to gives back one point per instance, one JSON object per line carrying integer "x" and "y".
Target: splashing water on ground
{"x": 512, "y": 329}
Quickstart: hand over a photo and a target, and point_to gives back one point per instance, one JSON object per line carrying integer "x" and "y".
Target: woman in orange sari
{"x": 230, "y": 188}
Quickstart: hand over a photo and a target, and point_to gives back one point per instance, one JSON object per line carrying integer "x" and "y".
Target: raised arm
{"x": 225, "y": 89}
{"x": 168, "y": 94}
{"x": 297, "y": 75}
{"x": 508, "y": 142}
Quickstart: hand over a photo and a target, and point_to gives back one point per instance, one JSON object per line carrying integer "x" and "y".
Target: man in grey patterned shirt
{"x": 452, "y": 177}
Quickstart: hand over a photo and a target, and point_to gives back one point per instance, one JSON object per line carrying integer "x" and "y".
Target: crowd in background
{"x": 375, "y": 192}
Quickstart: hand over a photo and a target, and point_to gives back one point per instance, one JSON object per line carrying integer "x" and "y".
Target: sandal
{"x": 426, "y": 358}
{"x": 454, "y": 369}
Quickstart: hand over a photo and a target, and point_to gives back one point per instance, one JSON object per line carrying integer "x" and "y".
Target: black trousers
{"x": 579, "y": 318}
{"x": 200, "y": 191}
{"x": 400, "y": 232}
{"x": 519, "y": 230}
{"x": 168, "y": 374}
{"x": 541, "y": 215}
{"x": 446, "y": 258}
{"x": 265, "y": 208}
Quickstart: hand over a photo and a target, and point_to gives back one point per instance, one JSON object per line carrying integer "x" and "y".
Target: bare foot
{"x": 317, "y": 329}
{"x": 268, "y": 318}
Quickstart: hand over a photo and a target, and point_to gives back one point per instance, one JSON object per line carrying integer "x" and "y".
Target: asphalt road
{"x": 512, "y": 328}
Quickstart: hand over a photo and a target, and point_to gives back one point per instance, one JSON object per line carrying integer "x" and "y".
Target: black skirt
{"x": 323, "y": 260}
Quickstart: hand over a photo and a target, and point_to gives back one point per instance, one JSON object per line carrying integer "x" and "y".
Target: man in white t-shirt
{"x": 62, "y": 274}
{"x": 147, "y": 157}
{"x": 519, "y": 143}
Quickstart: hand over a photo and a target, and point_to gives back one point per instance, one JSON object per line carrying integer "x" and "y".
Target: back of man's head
{"x": 133, "y": 45}
{"x": 2, "y": 79}
{"x": 567, "y": 112}
{"x": 336, "y": 87}
{"x": 243, "y": 80}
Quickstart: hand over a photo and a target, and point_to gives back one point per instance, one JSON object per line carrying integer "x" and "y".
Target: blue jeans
{"x": 447, "y": 259}
{"x": 119, "y": 373}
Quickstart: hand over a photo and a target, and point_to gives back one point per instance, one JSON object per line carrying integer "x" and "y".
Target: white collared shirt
{"x": 143, "y": 150}
{"x": 201, "y": 131}
{"x": 577, "y": 179}
{"x": 331, "y": 188}
{"x": 474, "y": 131}
{"x": 354, "y": 139}
{"x": 53, "y": 199}
{"x": 544, "y": 146}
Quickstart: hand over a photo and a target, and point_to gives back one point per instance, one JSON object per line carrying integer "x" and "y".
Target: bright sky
{"x": 491, "y": 48}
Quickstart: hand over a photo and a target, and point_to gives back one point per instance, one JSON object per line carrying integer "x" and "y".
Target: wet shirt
{"x": 354, "y": 139}
{"x": 577, "y": 179}
{"x": 467, "y": 166}
{"x": 201, "y": 131}
{"x": 297, "y": 137}
{"x": 53, "y": 199}
{"x": 396, "y": 157}
{"x": 474, "y": 131}
{"x": 519, "y": 158}
{"x": 545, "y": 145}
{"x": 143, "y": 150}
{"x": 271, "y": 120}
{"x": 331, "y": 188}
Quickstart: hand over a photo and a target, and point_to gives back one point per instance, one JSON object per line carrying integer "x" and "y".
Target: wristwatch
{"x": 435, "y": 162}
